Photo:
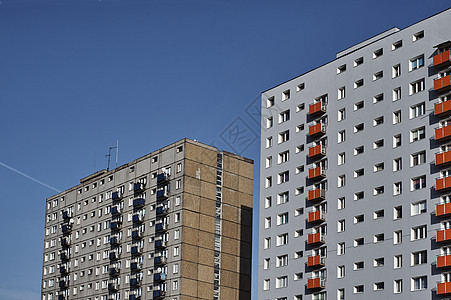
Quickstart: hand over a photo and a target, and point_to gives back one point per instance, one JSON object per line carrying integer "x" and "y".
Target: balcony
{"x": 115, "y": 271}
{"x": 443, "y": 261}
{"x": 137, "y": 203}
{"x": 158, "y": 294}
{"x": 160, "y": 244}
{"x": 443, "y": 133}
{"x": 441, "y": 58}
{"x": 136, "y": 234}
{"x": 443, "y": 184}
{"x": 443, "y": 288}
{"x": 160, "y": 227}
{"x": 63, "y": 283}
{"x": 162, "y": 177}
{"x": 316, "y": 151}
{"x": 442, "y": 210}
{"x": 162, "y": 194}
{"x": 135, "y": 281}
{"x": 159, "y": 260}
{"x": 442, "y": 108}
{"x": 442, "y": 159}
{"x": 66, "y": 228}
{"x": 162, "y": 210}
{"x": 136, "y": 250}
{"x": 135, "y": 266}
{"x": 67, "y": 215}
{"x": 114, "y": 241}
{"x": 316, "y": 195}
{"x": 115, "y": 210}
{"x": 138, "y": 187}
{"x": 316, "y": 173}
{"x": 317, "y": 109}
{"x": 61, "y": 297}
{"x": 64, "y": 270}
{"x": 137, "y": 218}
{"x": 113, "y": 286}
{"x": 134, "y": 297}
{"x": 65, "y": 256}
{"x": 114, "y": 256}
{"x": 159, "y": 277}
{"x": 316, "y": 261}
{"x": 315, "y": 238}
{"x": 65, "y": 242}
{"x": 443, "y": 236}
{"x": 116, "y": 225}
{"x": 316, "y": 283}
{"x": 442, "y": 83}
{"x": 317, "y": 130}
{"x": 116, "y": 196}
{"x": 315, "y": 217}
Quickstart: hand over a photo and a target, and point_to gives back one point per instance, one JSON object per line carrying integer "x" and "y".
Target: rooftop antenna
{"x": 117, "y": 151}
{"x": 109, "y": 155}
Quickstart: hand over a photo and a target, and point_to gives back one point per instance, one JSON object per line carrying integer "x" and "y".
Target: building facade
{"x": 174, "y": 224}
{"x": 355, "y": 173}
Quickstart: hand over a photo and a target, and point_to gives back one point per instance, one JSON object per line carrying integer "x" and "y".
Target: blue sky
{"x": 77, "y": 75}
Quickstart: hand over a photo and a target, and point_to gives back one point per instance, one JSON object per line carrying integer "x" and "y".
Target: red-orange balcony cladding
{"x": 442, "y": 108}
{"x": 316, "y": 283}
{"x": 443, "y": 261}
{"x": 315, "y": 261}
{"x": 443, "y": 235}
{"x": 315, "y": 216}
{"x": 315, "y": 238}
{"x": 443, "y": 184}
{"x": 316, "y": 173}
{"x": 317, "y": 194}
{"x": 316, "y": 151}
{"x": 443, "y": 133}
{"x": 443, "y": 288}
{"x": 443, "y": 210}
{"x": 316, "y": 129}
{"x": 316, "y": 108}
{"x": 443, "y": 158}
{"x": 442, "y": 83}
{"x": 441, "y": 58}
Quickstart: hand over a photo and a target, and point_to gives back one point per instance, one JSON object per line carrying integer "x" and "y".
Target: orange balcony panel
{"x": 442, "y": 83}
{"x": 442, "y": 108}
{"x": 443, "y": 133}
{"x": 443, "y": 288}
{"x": 316, "y": 151}
{"x": 315, "y": 261}
{"x": 318, "y": 194}
{"x": 443, "y": 158}
{"x": 315, "y": 238}
{"x": 315, "y": 216}
{"x": 316, "y": 109}
{"x": 315, "y": 283}
{"x": 316, "y": 129}
{"x": 443, "y": 235}
{"x": 443, "y": 261}
{"x": 443, "y": 210}
{"x": 441, "y": 58}
{"x": 443, "y": 184}
{"x": 316, "y": 173}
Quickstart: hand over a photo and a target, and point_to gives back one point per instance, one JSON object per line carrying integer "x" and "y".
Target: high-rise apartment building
{"x": 355, "y": 173}
{"x": 174, "y": 224}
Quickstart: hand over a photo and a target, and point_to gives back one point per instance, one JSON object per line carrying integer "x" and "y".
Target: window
{"x": 417, "y": 158}
{"x": 270, "y": 102}
{"x": 282, "y": 198}
{"x": 268, "y": 162}
{"x": 378, "y": 144}
{"x": 341, "y": 114}
{"x": 418, "y": 35}
{"x": 282, "y": 219}
{"x": 269, "y": 122}
{"x": 378, "y": 98}
{"x": 286, "y": 95}
{"x": 416, "y": 63}
{"x": 267, "y": 243}
{"x": 396, "y": 45}
{"x": 269, "y": 142}
{"x": 341, "y": 203}
{"x": 341, "y": 93}
{"x": 397, "y": 261}
{"x": 419, "y": 233}
{"x": 396, "y": 71}
{"x": 378, "y": 190}
{"x": 397, "y": 117}
{"x": 358, "y": 61}
{"x": 378, "y": 167}
{"x": 268, "y": 202}
{"x": 282, "y": 261}
{"x": 341, "y": 225}
{"x": 419, "y": 208}
{"x": 359, "y": 196}
{"x": 284, "y": 136}
{"x": 397, "y": 164}
{"x": 282, "y": 239}
{"x": 378, "y": 75}
{"x": 281, "y": 282}
{"x": 298, "y": 276}
{"x": 341, "y": 158}
{"x": 397, "y": 212}
{"x": 359, "y": 219}
{"x": 300, "y": 107}
{"x": 284, "y": 156}
{"x": 299, "y": 169}
{"x": 341, "y": 180}
{"x": 417, "y": 86}
{"x": 299, "y": 127}
{"x": 267, "y": 222}
{"x": 419, "y": 283}
{"x": 358, "y": 150}
{"x": 397, "y": 237}
{"x": 268, "y": 182}
{"x": 358, "y": 289}
{"x": 359, "y": 172}
{"x": 358, "y": 127}
{"x": 299, "y": 148}
{"x": 418, "y": 183}
{"x": 378, "y": 286}
{"x": 396, "y": 140}
{"x": 284, "y": 116}
{"x": 341, "y": 69}
{"x": 359, "y": 265}
{"x": 378, "y": 53}
{"x": 266, "y": 284}
{"x": 378, "y": 121}
{"x": 266, "y": 263}
{"x": 417, "y": 110}
{"x": 378, "y": 237}
{"x": 396, "y": 94}
{"x": 397, "y": 286}
{"x": 358, "y": 83}
{"x": 300, "y": 87}
{"x": 417, "y": 134}
{"x": 419, "y": 258}
{"x": 341, "y": 248}
{"x": 379, "y": 214}
{"x": 359, "y": 105}
{"x": 397, "y": 188}
{"x": 284, "y": 177}
{"x": 341, "y": 136}
{"x": 359, "y": 242}
{"x": 340, "y": 271}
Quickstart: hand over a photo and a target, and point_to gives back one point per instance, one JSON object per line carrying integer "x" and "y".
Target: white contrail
{"x": 29, "y": 177}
